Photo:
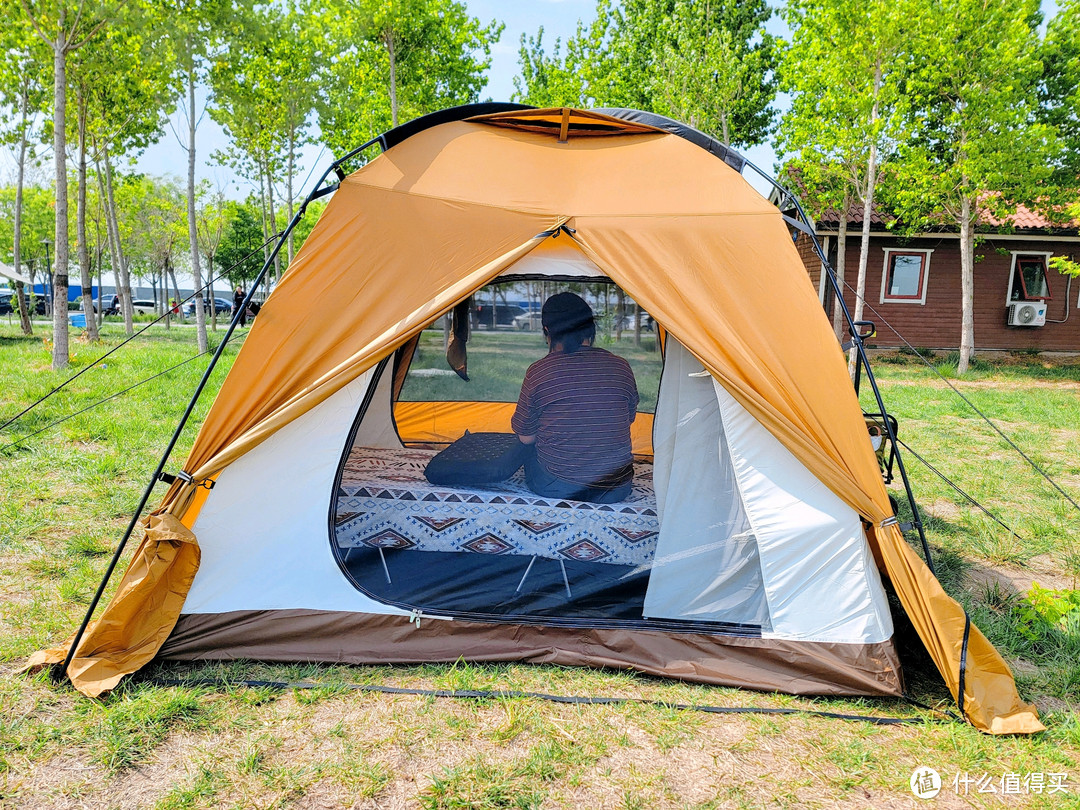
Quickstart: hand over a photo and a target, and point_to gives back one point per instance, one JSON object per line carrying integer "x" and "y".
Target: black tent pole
{"x": 315, "y": 194}
{"x": 857, "y": 340}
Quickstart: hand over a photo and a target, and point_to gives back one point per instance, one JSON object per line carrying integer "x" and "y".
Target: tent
{"x": 7, "y": 271}
{"x": 758, "y": 551}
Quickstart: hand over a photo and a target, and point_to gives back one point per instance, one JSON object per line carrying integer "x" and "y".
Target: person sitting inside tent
{"x": 575, "y": 408}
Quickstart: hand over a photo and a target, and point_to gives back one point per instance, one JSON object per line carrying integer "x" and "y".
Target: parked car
{"x": 220, "y": 305}
{"x": 504, "y": 315}
{"x": 144, "y": 306}
{"x": 529, "y": 322}
{"x": 646, "y": 322}
{"x": 9, "y": 304}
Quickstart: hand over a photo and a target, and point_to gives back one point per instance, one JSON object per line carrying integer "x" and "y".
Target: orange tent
{"x": 458, "y": 201}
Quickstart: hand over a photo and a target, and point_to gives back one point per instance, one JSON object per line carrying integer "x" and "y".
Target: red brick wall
{"x": 936, "y": 324}
{"x": 810, "y": 259}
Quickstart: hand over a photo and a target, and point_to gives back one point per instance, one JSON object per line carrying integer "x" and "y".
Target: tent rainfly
{"x": 759, "y": 539}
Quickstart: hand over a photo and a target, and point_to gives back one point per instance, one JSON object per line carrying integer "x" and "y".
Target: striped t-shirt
{"x": 579, "y": 406}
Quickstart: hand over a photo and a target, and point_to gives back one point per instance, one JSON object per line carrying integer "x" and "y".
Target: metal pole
{"x": 187, "y": 414}
{"x": 860, "y": 347}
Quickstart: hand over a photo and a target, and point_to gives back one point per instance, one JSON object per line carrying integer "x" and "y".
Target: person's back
{"x": 579, "y": 406}
{"x": 576, "y": 407}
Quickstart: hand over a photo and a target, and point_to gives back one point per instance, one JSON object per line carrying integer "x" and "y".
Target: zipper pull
{"x": 414, "y": 617}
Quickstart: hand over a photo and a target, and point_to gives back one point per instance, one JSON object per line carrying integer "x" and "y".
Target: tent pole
{"x": 316, "y": 193}
{"x": 857, "y": 340}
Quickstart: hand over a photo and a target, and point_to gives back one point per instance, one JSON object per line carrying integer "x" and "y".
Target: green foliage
{"x": 263, "y": 95}
{"x": 24, "y": 67}
{"x": 1043, "y": 610}
{"x": 707, "y": 63}
{"x": 242, "y": 237}
{"x": 972, "y": 115}
{"x": 848, "y": 93}
{"x": 152, "y": 222}
{"x": 126, "y": 79}
{"x": 37, "y": 225}
{"x": 388, "y": 62}
{"x": 1059, "y": 91}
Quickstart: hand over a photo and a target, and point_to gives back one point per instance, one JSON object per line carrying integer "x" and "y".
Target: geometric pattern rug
{"x": 385, "y": 501}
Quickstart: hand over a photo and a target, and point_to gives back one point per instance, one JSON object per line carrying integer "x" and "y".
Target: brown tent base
{"x": 794, "y": 667}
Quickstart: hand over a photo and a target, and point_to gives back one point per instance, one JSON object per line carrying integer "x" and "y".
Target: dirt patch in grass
{"x": 1016, "y": 579}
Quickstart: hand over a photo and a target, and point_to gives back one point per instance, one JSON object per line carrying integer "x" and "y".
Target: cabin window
{"x": 1030, "y": 281}
{"x": 904, "y": 276}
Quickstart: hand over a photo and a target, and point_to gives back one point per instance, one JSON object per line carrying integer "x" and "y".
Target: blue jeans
{"x": 547, "y": 485}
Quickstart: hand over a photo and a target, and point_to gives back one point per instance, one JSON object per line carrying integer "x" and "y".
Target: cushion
{"x": 477, "y": 458}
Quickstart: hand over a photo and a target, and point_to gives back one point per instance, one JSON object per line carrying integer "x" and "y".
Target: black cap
{"x": 565, "y": 312}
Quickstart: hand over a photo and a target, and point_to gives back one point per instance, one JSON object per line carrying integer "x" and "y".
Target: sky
{"x": 559, "y": 18}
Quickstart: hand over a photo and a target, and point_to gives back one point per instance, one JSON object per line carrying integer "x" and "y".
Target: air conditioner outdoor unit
{"x": 1031, "y": 313}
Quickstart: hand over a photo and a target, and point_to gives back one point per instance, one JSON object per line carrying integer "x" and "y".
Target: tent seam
{"x": 565, "y": 217}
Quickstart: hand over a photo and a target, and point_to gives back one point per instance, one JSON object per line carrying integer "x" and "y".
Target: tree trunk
{"x": 60, "y": 357}
{"x": 85, "y": 278}
{"x": 841, "y": 264}
{"x": 868, "y": 207}
{"x": 273, "y": 221}
{"x": 967, "y": 285}
{"x": 100, "y": 282}
{"x": 289, "y": 186}
{"x": 113, "y": 260}
{"x": 637, "y": 324}
{"x": 389, "y": 39}
{"x": 620, "y": 312}
{"x": 193, "y": 233}
{"x": 20, "y": 293}
{"x": 210, "y": 292}
{"x": 111, "y": 216}
{"x": 264, "y": 170}
{"x": 176, "y": 288}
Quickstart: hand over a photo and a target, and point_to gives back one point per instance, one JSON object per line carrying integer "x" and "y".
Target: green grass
{"x": 498, "y": 360}
{"x": 66, "y": 496}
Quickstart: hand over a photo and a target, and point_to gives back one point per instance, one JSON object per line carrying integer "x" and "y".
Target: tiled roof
{"x": 1024, "y": 220}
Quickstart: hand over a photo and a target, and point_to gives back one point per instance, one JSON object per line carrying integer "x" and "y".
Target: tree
{"x": 846, "y": 69}
{"x": 712, "y": 69}
{"x": 264, "y": 100}
{"x": 977, "y": 146}
{"x": 20, "y": 90}
{"x": 707, "y": 62}
{"x": 1059, "y": 108}
{"x": 214, "y": 216}
{"x": 36, "y": 225}
{"x": 236, "y": 256}
{"x": 556, "y": 80}
{"x": 64, "y": 28}
{"x": 128, "y": 85}
{"x": 393, "y": 60}
{"x": 197, "y": 28}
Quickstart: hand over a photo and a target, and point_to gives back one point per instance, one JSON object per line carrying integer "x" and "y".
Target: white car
{"x": 144, "y": 306}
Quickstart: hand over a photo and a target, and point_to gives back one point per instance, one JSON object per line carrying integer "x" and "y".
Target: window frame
{"x": 920, "y": 296}
{"x": 1017, "y": 256}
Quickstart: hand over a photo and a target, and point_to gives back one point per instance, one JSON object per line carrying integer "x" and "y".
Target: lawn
{"x": 66, "y": 495}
